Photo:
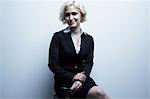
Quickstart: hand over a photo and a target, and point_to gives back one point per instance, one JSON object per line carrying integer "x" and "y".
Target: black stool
{"x": 67, "y": 93}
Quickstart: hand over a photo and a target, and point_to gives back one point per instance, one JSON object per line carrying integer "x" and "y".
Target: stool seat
{"x": 67, "y": 93}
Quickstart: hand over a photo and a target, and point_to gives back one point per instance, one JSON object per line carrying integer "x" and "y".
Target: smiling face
{"x": 72, "y": 17}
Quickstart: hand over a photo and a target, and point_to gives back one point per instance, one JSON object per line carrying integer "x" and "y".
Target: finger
{"x": 83, "y": 80}
{"x": 75, "y": 89}
{"x": 84, "y": 77}
{"x": 77, "y": 76}
{"x": 78, "y": 87}
{"x": 78, "y": 84}
{"x": 73, "y": 86}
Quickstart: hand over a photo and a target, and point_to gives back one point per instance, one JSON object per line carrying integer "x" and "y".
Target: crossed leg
{"x": 97, "y": 93}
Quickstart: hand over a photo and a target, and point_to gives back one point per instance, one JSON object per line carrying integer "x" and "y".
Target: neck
{"x": 76, "y": 30}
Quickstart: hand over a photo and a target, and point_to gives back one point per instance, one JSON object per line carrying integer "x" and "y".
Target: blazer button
{"x": 75, "y": 66}
{"x": 83, "y": 60}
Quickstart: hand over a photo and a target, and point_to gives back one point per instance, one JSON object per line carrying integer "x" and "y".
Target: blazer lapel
{"x": 69, "y": 41}
{"x": 84, "y": 43}
{"x": 83, "y": 46}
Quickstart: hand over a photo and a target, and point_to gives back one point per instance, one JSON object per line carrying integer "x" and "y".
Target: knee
{"x": 100, "y": 93}
{"x": 97, "y": 92}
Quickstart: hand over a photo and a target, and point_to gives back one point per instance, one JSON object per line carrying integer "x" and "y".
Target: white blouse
{"x": 76, "y": 44}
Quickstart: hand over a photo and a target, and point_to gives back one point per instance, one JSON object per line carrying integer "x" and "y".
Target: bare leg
{"x": 97, "y": 93}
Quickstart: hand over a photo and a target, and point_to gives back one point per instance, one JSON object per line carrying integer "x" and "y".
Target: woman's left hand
{"x": 80, "y": 76}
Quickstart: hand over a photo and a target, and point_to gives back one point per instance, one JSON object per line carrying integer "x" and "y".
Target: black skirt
{"x": 62, "y": 89}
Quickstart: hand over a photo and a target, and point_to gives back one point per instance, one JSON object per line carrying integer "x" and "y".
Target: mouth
{"x": 71, "y": 23}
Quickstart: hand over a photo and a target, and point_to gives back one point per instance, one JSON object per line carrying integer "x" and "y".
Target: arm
{"x": 54, "y": 59}
{"x": 89, "y": 60}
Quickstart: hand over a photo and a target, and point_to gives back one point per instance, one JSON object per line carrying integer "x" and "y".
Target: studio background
{"x": 121, "y": 31}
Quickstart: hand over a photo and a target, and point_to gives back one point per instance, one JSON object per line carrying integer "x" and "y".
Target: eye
{"x": 74, "y": 13}
{"x": 67, "y": 14}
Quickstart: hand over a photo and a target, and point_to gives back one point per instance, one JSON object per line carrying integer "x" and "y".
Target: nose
{"x": 71, "y": 17}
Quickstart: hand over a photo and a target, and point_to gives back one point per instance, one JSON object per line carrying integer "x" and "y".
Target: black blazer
{"x": 63, "y": 60}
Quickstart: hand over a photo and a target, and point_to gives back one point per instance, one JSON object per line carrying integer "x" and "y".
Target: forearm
{"x": 60, "y": 72}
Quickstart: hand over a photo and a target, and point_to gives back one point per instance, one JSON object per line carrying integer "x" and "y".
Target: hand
{"x": 76, "y": 86}
{"x": 80, "y": 76}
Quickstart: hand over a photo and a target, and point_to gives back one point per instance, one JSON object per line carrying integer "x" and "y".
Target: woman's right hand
{"x": 76, "y": 86}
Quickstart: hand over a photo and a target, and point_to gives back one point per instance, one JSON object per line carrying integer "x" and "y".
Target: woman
{"x": 71, "y": 56}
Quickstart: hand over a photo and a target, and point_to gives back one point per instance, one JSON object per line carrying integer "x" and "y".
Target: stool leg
{"x": 55, "y": 96}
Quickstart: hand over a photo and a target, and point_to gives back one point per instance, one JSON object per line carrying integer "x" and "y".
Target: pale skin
{"x": 73, "y": 19}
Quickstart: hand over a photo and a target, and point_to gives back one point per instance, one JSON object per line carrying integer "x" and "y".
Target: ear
{"x": 81, "y": 19}
{"x": 64, "y": 22}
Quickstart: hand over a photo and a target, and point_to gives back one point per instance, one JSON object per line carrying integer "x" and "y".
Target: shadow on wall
{"x": 47, "y": 87}
{"x": 42, "y": 87}
{"x": 32, "y": 85}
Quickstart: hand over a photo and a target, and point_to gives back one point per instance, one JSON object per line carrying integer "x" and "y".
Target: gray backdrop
{"x": 121, "y": 31}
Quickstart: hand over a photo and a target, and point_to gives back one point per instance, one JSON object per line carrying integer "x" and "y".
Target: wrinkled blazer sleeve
{"x": 54, "y": 66}
{"x": 89, "y": 60}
